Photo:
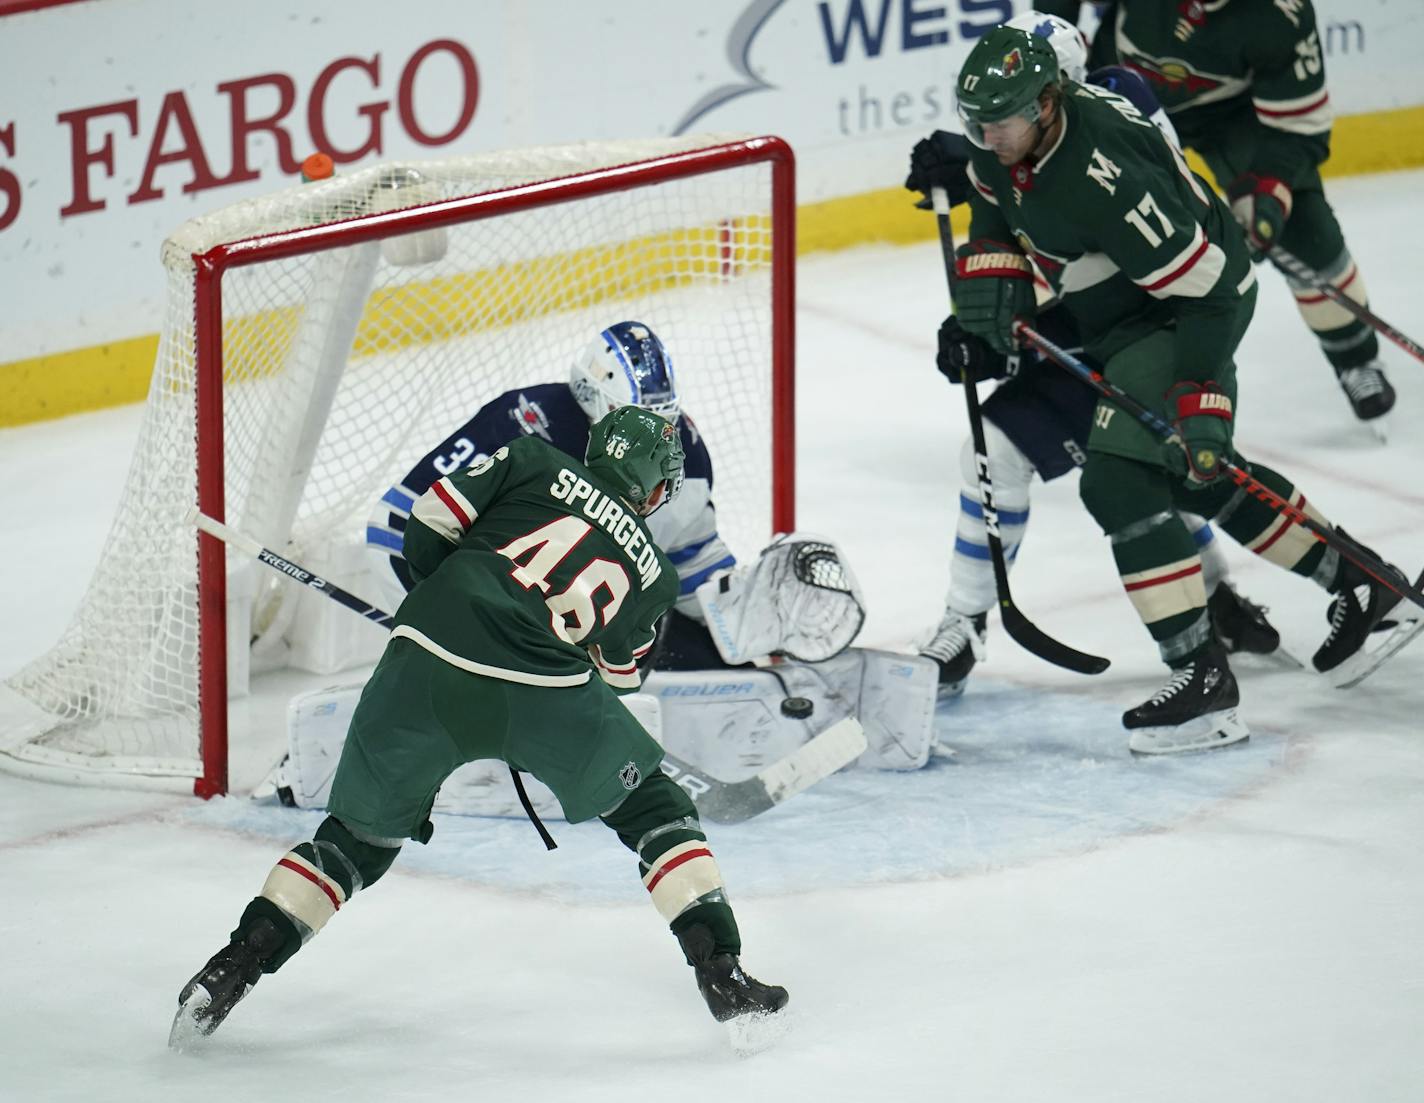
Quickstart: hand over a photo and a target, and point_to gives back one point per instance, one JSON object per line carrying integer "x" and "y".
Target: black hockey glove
{"x": 963, "y": 356}
{"x": 940, "y": 161}
{"x": 1202, "y": 418}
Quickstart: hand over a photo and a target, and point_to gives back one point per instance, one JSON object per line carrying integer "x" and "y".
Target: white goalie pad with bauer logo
{"x": 734, "y": 722}
{"x": 729, "y": 723}
{"x": 798, "y": 599}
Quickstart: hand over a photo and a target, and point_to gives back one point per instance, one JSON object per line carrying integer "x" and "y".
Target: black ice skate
{"x": 729, "y": 991}
{"x": 1369, "y": 392}
{"x": 1240, "y": 623}
{"x": 1195, "y": 710}
{"x": 957, "y": 644}
{"x": 1360, "y": 638}
{"x": 228, "y": 976}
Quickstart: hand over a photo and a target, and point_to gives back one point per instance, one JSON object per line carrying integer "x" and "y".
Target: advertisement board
{"x": 120, "y": 120}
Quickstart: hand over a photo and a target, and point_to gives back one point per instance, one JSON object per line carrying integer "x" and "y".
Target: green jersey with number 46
{"x": 1123, "y": 231}
{"x": 531, "y": 568}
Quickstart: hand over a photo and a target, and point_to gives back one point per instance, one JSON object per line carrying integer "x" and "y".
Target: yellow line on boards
{"x": 118, "y": 372}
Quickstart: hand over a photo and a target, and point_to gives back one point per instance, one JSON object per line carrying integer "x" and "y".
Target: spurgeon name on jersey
{"x": 621, "y": 523}
{"x": 528, "y": 569}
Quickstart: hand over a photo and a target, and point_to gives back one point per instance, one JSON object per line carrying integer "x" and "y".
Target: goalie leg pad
{"x": 731, "y": 724}
{"x": 799, "y": 599}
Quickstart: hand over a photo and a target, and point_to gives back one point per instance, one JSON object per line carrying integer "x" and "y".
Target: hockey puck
{"x": 798, "y": 708}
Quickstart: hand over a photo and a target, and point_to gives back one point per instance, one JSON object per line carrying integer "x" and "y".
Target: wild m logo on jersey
{"x": 1103, "y": 170}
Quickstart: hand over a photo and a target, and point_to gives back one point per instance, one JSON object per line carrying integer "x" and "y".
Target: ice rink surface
{"x": 1035, "y": 916}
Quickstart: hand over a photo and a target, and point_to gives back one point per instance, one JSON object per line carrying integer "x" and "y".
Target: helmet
{"x": 1003, "y": 76}
{"x": 639, "y": 454}
{"x": 625, "y": 365}
{"x": 1068, "y": 42}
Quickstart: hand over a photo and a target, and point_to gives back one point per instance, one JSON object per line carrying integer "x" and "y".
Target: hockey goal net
{"x": 320, "y": 340}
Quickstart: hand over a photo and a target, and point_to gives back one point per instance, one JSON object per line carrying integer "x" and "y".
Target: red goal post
{"x": 690, "y": 278}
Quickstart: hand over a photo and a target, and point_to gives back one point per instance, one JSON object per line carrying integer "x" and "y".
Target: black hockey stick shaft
{"x": 297, "y": 573}
{"x": 1360, "y": 556}
{"x": 1297, "y": 269}
{"x": 1023, "y": 631}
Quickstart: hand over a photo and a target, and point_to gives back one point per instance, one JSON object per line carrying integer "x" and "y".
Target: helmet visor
{"x": 1009, "y": 132}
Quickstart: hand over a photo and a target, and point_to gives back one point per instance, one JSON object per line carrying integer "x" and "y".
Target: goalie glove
{"x": 1261, "y": 204}
{"x": 799, "y": 599}
{"x": 1203, "y": 423}
{"x": 993, "y": 287}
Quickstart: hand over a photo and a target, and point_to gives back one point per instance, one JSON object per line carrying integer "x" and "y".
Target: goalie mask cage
{"x": 321, "y": 340}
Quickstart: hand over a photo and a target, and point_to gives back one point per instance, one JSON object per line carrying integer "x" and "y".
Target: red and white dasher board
{"x": 118, "y": 121}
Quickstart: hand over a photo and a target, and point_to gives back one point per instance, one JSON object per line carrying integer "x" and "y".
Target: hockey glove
{"x": 1202, "y": 417}
{"x": 963, "y": 356}
{"x": 940, "y": 161}
{"x": 993, "y": 286}
{"x": 1261, "y": 204}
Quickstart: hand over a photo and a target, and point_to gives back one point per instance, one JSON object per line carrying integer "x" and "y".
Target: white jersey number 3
{"x": 576, "y": 609}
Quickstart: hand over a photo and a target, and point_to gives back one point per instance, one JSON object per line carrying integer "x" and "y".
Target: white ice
{"x": 1035, "y": 916}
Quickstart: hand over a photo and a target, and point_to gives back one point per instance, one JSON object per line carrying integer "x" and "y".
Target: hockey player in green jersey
{"x": 537, "y": 589}
{"x": 1243, "y": 82}
{"x": 1146, "y": 259}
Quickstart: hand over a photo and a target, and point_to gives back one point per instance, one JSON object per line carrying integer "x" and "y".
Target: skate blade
{"x": 948, "y": 691}
{"x": 1366, "y": 661}
{"x": 1279, "y": 659}
{"x": 1379, "y": 428}
{"x": 751, "y": 1034}
{"x": 1206, "y": 732}
{"x": 188, "y": 1030}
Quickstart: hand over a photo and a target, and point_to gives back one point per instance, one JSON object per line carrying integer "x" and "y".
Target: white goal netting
{"x": 342, "y": 367}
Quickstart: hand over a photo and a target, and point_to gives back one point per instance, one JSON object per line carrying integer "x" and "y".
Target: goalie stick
{"x": 1027, "y": 634}
{"x": 720, "y": 801}
{"x": 1355, "y": 553}
{"x": 1297, "y": 269}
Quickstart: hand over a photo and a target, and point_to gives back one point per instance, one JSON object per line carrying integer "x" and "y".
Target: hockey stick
{"x": 1027, "y": 634}
{"x": 737, "y": 801}
{"x": 1355, "y": 553}
{"x": 1297, "y": 269}
{"x": 249, "y": 547}
{"x": 719, "y": 801}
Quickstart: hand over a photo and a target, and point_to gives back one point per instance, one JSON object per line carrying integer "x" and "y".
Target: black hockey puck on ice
{"x": 798, "y": 708}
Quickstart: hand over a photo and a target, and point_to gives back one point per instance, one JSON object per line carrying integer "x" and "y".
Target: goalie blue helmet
{"x": 625, "y": 365}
